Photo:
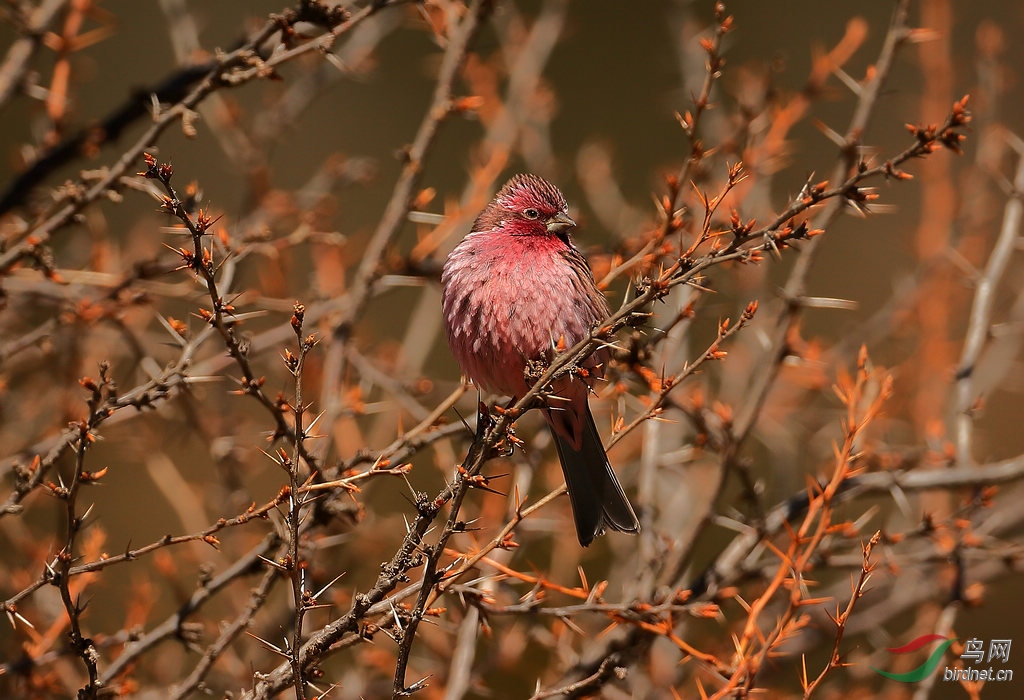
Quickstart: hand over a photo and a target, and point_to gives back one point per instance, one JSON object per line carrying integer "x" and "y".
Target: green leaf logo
{"x": 925, "y": 669}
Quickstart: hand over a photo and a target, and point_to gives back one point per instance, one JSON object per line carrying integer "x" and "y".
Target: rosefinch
{"x": 514, "y": 288}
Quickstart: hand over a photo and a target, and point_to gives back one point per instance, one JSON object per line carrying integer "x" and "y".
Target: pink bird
{"x": 512, "y": 289}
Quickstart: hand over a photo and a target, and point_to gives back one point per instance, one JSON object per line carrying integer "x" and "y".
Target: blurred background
{"x": 301, "y": 161}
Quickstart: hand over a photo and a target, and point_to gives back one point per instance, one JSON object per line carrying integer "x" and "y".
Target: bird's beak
{"x": 559, "y": 222}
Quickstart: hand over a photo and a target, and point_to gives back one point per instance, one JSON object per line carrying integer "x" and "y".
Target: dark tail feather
{"x": 594, "y": 492}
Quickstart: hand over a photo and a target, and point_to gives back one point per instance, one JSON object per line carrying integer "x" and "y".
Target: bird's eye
{"x": 531, "y": 213}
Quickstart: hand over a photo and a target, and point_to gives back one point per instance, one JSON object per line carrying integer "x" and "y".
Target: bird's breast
{"x": 510, "y": 299}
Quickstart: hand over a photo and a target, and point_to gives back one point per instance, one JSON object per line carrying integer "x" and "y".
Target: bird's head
{"x": 528, "y": 206}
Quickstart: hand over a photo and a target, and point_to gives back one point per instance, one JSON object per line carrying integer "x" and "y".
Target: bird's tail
{"x": 595, "y": 494}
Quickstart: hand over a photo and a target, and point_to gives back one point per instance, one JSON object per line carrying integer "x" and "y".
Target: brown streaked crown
{"x": 523, "y": 191}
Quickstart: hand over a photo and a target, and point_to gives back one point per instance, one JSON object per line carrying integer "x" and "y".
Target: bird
{"x": 515, "y": 289}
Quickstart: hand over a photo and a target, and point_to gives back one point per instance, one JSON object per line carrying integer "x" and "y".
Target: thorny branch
{"x": 208, "y": 536}
{"x": 231, "y": 70}
{"x": 301, "y": 597}
{"x": 222, "y": 317}
{"x": 31, "y": 476}
{"x": 858, "y": 588}
{"x": 99, "y": 394}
